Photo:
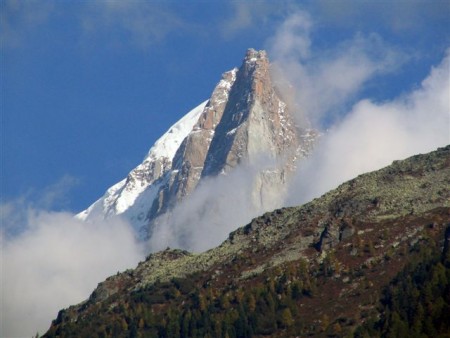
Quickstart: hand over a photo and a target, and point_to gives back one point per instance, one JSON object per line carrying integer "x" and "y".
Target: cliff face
{"x": 256, "y": 121}
{"x": 245, "y": 121}
{"x": 317, "y": 269}
{"x": 188, "y": 161}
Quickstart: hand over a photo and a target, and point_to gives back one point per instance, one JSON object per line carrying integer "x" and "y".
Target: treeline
{"x": 415, "y": 304}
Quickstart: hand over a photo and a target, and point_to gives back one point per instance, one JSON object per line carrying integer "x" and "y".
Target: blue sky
{"x": 88, "y": 86}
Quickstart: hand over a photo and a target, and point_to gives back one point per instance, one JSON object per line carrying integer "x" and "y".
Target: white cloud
{"x": 56, "y": 261}
{"x": 250, "y": 15}
{"x": 323, "y": 81}
{"x": 396, "y": 16}
{"x": 126, "y": 23}
{"x": 218, "y": 206}
{"x": 13, "y": 215}
{"x": 292, "y": 39}
{"x": 21, "y": 18}
{"x": 55, "y": 196}
{"x": 372, "y": 135}
{"x": 242, "y": 18}
{"x": 140, "y": 23}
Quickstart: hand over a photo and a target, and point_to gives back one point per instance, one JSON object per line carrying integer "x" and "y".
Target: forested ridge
{"x": 416, "y": 303}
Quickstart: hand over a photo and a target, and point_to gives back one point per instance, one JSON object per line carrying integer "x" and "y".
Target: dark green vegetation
{"x": 417, "y": 302}
{"x": 369, "y": 259}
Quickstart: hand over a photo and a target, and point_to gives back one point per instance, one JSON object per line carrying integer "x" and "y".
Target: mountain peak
{"x": 255, "y": 60}
{"x": 243, "y": 121}
{"x": 256, "y": 122}
{"x": 253, "y": 55}
{"x": 255, "y": 71}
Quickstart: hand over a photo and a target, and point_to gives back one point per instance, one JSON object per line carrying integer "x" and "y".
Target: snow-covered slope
{"x": 133, "y": 195}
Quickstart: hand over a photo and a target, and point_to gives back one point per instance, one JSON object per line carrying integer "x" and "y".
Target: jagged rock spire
{"x": 244, "y": 119}
{"x": 255, "y": 120}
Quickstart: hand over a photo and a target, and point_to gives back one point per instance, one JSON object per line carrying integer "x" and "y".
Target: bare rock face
{"x": 245, "y": 121}
{"x": 255, "y": 122}
{"x": 189, "y": 159}
{"x": 257, "y": 128}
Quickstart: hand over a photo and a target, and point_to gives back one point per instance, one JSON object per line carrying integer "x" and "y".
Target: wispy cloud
{"x": 56, "y": 261}
{"x": 396, "y": 16}
{"x": 141, "y": 23}
{"x": 372, "y": 135}
{"x": 20, "y": 18}
{"x": 322, "y": 82}
{"x": 51, "y": 260}
{"x": 14, "y": 213}
{"x": 218, "y": 206}
{"x": 251, "y": 15}
{"x": 56, "y": 196}
{"x": 242, "y": 18}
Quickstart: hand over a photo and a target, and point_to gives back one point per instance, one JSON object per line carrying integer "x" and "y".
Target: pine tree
{"x": 286, "y": 318}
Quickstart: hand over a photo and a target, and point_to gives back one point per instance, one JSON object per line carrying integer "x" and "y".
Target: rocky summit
{"x": 245, "y": 121}
{"x": 368, "y": 259}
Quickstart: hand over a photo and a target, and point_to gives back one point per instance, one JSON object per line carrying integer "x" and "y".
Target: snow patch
{"x": 168, "y": 144}
{"x": 232, "y": 131}
{"x": 132, "y": 195}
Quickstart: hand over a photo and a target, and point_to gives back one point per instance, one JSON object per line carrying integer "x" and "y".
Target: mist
{"x": 372, "y": 135}
{"x": 321, "y": 83}
{"x": 51, "y": 260}
{"x": 325, "y": 85}
{"x": 215, "y": 208}
{"x": 55, "y": 261}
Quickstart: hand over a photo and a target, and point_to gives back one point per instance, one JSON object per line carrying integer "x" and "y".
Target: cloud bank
{"x": 218, "y": 206}
{"x": 55, "y": 261}
{"x": 372, "y": 135}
